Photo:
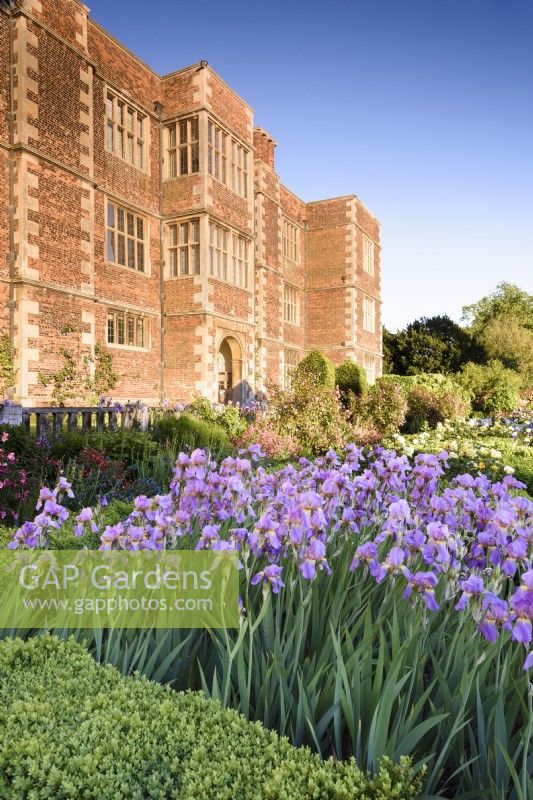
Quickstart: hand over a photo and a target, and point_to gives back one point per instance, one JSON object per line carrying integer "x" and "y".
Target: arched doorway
{"x": 229, "y": 368}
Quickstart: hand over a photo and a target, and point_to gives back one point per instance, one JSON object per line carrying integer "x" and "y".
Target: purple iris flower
{"x": 423, "y": 583}
{"x": 496, "y": 616}
{"x": 84, "y": 517}
{"x": 471, "y": 587}
{"x": 314, "y": 557}
{"x": 27, "y": 535}
{"x": 366, "y": 552}
{"x": 270, "y": 576}
{"x": 522, "y": 605}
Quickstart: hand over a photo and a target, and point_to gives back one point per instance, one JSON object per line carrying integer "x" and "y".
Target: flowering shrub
{"x": 472, "y": 539}
{"x": 310, "y": 414}
{"x": 14, "y": 488}
{"x": 272, "y": 443}
{"x": 385, "y": 406}
{"x": 431, "y": 398}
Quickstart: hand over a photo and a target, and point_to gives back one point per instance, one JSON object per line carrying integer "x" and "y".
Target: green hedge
{"x": 72, "y": 729}
{"x": 188, "y": 431}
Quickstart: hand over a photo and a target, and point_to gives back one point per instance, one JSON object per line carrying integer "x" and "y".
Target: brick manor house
{"x": 144, "y": 213}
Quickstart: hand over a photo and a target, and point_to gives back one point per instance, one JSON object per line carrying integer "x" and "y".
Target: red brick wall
{"x": 60, "y": 232}
{"x": 295, "y": 211}
{"x": 58, "y": 121}
{"x": 179, "y": 295}
{"x": 274, "y": 311}
{"x": 229, "y": 108}
{"x": 326, "y": 275}
{"x": 181, "y": 362}
{"x": 4, "y": 173}
{"x": 273, "y": 355}
{"x": 264, "y": 147}
{"x": 67, "y": 17}
{"x": 229, "y": 206}
{"x": 325, "y": 319}
{"x": 371, "y": 285}
{"x": 60, "y": 327}
{"x": 179, "y": 92}
{"x": 230, "y": 300}
{"x": 4, "y": 85}
{"x": 181, "y": 195}
{"x": 122, "y": 69}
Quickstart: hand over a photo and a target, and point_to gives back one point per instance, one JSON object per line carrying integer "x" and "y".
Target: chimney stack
{"x": 264, "y": 146}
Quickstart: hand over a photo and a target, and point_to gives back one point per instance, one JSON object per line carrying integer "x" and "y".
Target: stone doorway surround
{"x": 229, "y": 370}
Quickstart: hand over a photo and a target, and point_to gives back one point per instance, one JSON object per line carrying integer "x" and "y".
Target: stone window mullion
{"x": 125, "y": 130}
{"x": 126, "y": 329}
{"x": 125, "y": 237}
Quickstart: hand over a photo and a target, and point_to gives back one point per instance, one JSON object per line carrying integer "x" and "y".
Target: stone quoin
{"x": 144, "y": 213}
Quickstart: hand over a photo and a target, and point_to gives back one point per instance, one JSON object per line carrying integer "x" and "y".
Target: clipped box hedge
{"x": 72, "y": 729}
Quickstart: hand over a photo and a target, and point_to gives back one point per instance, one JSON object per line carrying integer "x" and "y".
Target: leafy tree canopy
{"x": 506, "y": 301}
{"x": 511, "y": 343}
{"x": 429, "y": 344}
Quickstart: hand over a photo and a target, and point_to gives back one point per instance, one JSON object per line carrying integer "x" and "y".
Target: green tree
{"x": 390, "y": 352}
{"x": 429, "y": 344}
{"x": 506, "y": 301}
{"x": 512, "y": 344}
{"x": 492, "y": 387}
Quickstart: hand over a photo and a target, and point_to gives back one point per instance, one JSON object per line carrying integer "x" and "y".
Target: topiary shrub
{"x": 350, "y": 377}
{"x": 385, "y": 406}
{"x": 319, "y": 367}
{"x": 493, "y": 387}
{"x": 73, "y": 729}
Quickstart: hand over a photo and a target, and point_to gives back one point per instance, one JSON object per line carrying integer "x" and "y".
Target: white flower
{"x": 509, "y": 470}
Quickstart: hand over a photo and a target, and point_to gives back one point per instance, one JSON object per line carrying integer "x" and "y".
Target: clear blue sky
{"x": 423, "y": 108}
